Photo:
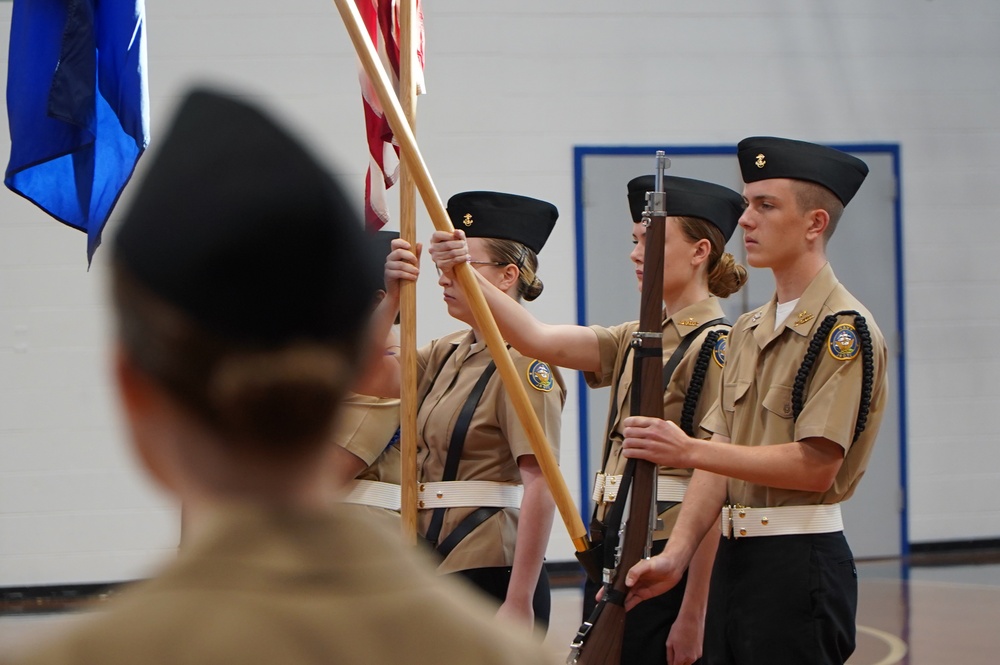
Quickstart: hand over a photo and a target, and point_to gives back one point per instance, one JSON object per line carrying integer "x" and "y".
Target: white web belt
{"x": 454, "y": 494}
{"x": 668, "y": 488}
{"x": 478, "y": 493}
{"x": 373, "y": 493}
{"x": 742, "y": 522}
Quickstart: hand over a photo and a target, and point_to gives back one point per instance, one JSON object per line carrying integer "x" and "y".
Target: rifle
{"x": 599, "y": 640}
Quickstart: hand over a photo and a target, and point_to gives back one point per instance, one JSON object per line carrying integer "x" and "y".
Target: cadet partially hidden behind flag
{"x": 77, "y": 106}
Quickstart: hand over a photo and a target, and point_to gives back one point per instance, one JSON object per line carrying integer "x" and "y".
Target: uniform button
{"x": 787, "y": 409}
{"x": 613, "y": 480}
{"x": 422, "y": 487}
{"x": 612, "y": 497}
{"x": 763, "y": 520}
{"x": 440, "y": 495}
{"x": 743, "y": 532}
{"x": 743, "y": 513}
{"x": 420, "y": 503}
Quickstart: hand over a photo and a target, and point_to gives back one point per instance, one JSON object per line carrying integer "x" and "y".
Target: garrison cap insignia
{"x": 467, "y": 220}
{"x": 719, "y": 352}
{"x": 761, "y": 162}
{"x": 688, "y": 322}
{"x": 803, "y": 317}
{"x": 540, "y": 376}
{"x": 843, "y": 342}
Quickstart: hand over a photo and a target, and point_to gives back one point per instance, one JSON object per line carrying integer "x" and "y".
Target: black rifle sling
{"x": 678, "y": 355}
{"x": 613, "y": 519}
{"x": 595, "y": 526}
{"x": 455, "y": 447}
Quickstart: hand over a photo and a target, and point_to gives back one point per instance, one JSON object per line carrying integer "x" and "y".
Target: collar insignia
{"x": 803, "y": 317}
{"x": 756, "y": 317}
{"x": 467, "y": 220}
{"x": 761, "y": 162}
{"x": 688, "y": 322}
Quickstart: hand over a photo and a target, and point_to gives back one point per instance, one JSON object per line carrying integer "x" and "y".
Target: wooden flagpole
{"x": 463, "y": 274}
{"x": 408, "y": 290}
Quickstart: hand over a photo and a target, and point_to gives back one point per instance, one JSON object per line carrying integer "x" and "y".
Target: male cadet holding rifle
{"x": 803, "y": 392}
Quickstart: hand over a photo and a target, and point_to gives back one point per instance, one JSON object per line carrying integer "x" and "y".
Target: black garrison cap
{"x": 507, "y": 216}
{"x": 766, "y": 157}
{"x": 690, "y": 198}
{"x": 240, "y": 228}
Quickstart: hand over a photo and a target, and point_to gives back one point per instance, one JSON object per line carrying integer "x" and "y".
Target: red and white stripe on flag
{"x": 381, "y": 19}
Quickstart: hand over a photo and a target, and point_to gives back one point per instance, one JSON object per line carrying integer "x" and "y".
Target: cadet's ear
{"x": 509, "y": 276}
{"x": 818, "y": 221}
{"x": 702, "y": 250}
{"x": 142, "y": 408}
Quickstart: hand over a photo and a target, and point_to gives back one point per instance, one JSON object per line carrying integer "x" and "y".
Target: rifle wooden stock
{"x": 603, "y": 645}
{"x": 412, "y": 158}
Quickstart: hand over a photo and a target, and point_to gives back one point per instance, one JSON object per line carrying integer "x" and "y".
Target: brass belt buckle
{"x": 740, "y": 511}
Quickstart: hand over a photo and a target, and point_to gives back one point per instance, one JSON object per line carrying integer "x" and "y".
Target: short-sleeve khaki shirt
{"x": 755, "y": 405}
{"x": 367, "y": 427}
{"x": 448, "y": 369}
{"x": 614, "y": 344}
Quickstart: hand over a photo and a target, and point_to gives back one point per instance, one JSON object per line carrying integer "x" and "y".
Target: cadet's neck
{"x": 790, "y": 282}
{"x": 692, "y": 293}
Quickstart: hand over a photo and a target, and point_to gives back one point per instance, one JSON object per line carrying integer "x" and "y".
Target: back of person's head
{"x": 242, "y": 279}
{"x": 514, "y": 227}
{"x": 705, "y": 211}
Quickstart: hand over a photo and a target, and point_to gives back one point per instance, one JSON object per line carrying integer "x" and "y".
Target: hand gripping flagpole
{"x": 411, "y": 156}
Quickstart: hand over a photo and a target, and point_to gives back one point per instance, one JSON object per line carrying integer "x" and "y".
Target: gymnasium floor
{"x": 943, "y": 613}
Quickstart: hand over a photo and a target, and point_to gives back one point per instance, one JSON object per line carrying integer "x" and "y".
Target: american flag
{"x": 381, "y": 19}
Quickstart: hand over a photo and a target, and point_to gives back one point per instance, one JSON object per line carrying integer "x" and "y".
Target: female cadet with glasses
{"x": 696, "y": 272}
{"x": 483, "y": 503}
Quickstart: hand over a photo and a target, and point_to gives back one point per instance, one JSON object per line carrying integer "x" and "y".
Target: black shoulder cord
{"x": 867, "y": 373}
{"x": 698, "y": 381}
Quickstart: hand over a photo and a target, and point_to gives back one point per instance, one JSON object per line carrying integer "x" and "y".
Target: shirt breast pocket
{"x": 778, "y": 401}
{"x": 732, "y": 393}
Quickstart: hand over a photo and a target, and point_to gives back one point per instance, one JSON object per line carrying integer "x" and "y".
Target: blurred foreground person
{"x": 241, "y": 286}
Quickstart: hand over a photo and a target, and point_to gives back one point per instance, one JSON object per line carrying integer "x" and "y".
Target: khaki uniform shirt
{"x": 368, "y": 427}
{"x": 614, "y": 343}
{"x": 448, "y": 369}
{"x": 263, "y": 586}
{"x": 755, "y": 405}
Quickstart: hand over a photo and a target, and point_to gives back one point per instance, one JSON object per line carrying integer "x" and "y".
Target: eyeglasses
{"x": 478, "y": 263}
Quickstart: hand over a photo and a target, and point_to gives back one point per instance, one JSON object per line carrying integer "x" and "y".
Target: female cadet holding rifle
{"x": 483, "y": 502}
{"x": 696, "y": 271}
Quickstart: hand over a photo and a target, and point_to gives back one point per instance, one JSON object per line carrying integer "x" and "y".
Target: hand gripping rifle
{"x": 599, "y": 640}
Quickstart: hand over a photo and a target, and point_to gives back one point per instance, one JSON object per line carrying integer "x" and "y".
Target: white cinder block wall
{"x": 513, "y": 87}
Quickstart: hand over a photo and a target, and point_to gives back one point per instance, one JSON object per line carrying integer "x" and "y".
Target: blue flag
{"x": 77, "y": 105}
